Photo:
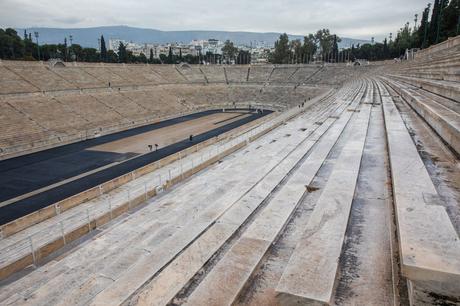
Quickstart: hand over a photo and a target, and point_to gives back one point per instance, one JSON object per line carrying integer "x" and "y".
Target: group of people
{"x": 190, "y": 138}
{"x": 303, "y": 103}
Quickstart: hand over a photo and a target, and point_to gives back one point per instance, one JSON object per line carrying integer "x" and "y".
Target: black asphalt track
{"x": 27, "y": 173}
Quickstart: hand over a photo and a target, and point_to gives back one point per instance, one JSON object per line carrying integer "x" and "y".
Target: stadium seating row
{"x": 48, "y": 120}
{"x": 21, "y": 77}
{"x": 430, "y": 85}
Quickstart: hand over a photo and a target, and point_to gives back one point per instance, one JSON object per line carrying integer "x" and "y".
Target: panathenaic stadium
{"x": 322, "y": 184}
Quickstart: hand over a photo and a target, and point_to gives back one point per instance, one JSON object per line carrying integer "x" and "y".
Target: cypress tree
{"x": 151, "y": 56}
{"x": 170, "y": 56}
{"x": 103, "y": 49}
{"x": 422, "y": 31}
{"x": 122, "y": 54}
{"x": 442, "y": 6}
{"x": 385, "y": 48}
{"x": 450, "y": 20}
{"x": 434, "y": 23}
{"x": 335, "y": 47}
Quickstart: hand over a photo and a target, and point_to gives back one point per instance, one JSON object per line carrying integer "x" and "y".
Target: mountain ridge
{"x": 88, "y": 37}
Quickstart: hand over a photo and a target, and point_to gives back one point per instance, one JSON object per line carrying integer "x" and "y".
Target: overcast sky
{"x": 352, "y": 18}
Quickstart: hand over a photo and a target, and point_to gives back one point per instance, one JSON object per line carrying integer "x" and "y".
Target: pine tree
{"x": 229, "y": 51}
{"x": 281, "y": 53}
{"x": 103, "y": 49}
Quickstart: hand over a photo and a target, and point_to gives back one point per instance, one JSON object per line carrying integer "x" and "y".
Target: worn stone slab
{"x": 311, "y": 271}
{"x": 444, "y": 121}
{"x": 81, "y": 276}
{"x": 167, "y": 284}
{"x": 262, "y": 232}
{"x": 429, "y": 245}
{"x": 137, "y": 275}
{"x": 446, "y": 89}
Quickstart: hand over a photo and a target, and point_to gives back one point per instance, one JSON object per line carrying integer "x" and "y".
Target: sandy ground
{"x": 170, "y": 134}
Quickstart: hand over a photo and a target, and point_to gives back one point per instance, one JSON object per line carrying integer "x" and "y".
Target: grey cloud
{"x": 69, "y": 20}
{"x": 354, "y": 18}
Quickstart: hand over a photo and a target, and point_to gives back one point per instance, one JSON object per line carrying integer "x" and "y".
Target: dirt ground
{"x": 170, "y": 134}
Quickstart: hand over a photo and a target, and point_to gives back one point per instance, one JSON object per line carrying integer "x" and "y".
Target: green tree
{"x": 281, "y": 53}
{"x": 103, "y": 49}
{"x": 229, "y": 50}
{"x": 151, "y": 56}
{"x": 325, "y": 40}
{"x": 170, "y": 56}
{"x": 122, "y": 53}
{"x": 296, "y": 51}
{"x": 386, "y": 51}
{"x": 335, "y": 48}
{"x": 450, "y": 20}
{"x": 435, "y": 22}
{"x": 11, "y": 45}
{"x": 141, "y": 58}
{"x": 243, "y": 57}
{"x": 112, "y": 57}
{"x": 190, "y": 59}
{"x": 77, "y": 52}
{"x": 422, "y": 31}
{"x": 309, "y": 47}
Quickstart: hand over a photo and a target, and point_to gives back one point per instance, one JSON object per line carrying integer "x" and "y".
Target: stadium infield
{"x": 43, "y": 178}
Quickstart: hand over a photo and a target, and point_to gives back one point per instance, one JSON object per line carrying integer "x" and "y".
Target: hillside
{"x": 87, "y": 37}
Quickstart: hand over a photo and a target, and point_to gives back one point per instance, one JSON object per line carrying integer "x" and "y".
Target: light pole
{"x": 100, "y": 47}
{"x": 38, "y": 47}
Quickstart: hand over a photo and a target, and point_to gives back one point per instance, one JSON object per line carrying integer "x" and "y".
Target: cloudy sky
{"x": 352, "y": 18}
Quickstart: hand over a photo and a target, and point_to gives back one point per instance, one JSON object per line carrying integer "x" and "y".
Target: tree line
{"x": 443, "y": 22}
{"x": 14, "y": 47}
{"x": 436, "y": 25}
{"x": 322, "y": 45}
